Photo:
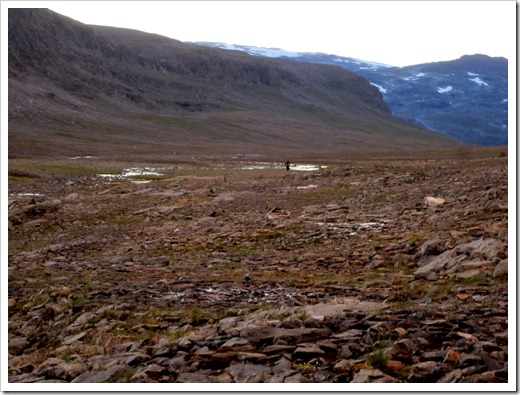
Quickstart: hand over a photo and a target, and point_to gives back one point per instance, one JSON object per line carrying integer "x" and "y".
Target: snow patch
{"x": 414, "y": 77}
{"x": 444, "y": 90}
{"x": 267, "y": 52}
{"x": 272, "y": 52}
{"x": 469, "y": 73}
{"x": 381, "y": 89}
{"x": 373, "y": 65}
{"x": 479, "y": 81}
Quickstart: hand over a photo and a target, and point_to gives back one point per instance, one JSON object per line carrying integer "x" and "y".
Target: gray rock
{"x": 253, "y": 357}
{"x": 260, "y": 334}
{"x": 111, "y": 375}
{"x": 274, "y": 349}
{"x": 372, "y": 376}
{"x": 16, "y": 344}
{"x": 83, "y": 319}
{"x": 123, "y": 348}
{"x": 282, "y": 365}
{"x": 469, "y": 256}
{"x": 423, "y": 370}
{"x": 431, "y": 247}
{"x": 296, "y": 378}
{"x": 71, "y": 339}
{"x": 36, "y": 223}
{"x": 345, "y": 352}
{"x": 302, "y": 335}
{"x": 501, "y": 268}
{"x": 278, "y": 378}
{"x": 452, "y": 377}
{"x": 487, "y": 377}
{"x": 196, "y": 377}
{"x": 23, "y": 378}
{"x": 152, "y": 372}
{"x": 248, "y": 373}
{"x": 344, "y": 365}
{"x": 308, "y": 351}
{"x": 402, "y": 350}
{"x": 236, "y": 342}
{"x": 58, "y": 369}
{"x": 432, "y": 277}
{"x": 444, "y": 261}
{"x": 226, "y": 324}
{"x": 178, "y": 362}
{"x": 491, "y": 363}
{"x": 472, "y": 273}
{"x": 137, "y": 359}
{"x": 321, "y": 376}
{"x": 486, "y": 249}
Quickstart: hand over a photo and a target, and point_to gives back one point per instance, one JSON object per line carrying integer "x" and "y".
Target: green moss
{"x": 305, "y": 368}
{"x": 414, "y": 240}
{"x": 483, "y": 280}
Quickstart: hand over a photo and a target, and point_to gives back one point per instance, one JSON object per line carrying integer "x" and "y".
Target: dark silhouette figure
{"x": 287, "y": 165}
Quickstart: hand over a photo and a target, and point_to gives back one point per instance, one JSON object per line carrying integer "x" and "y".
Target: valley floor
{"x": 220, "y": 271}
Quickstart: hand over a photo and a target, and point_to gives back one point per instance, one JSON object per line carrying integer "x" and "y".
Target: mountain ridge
{"x": 87, "y": 88}
{"x": 412, "y": 92}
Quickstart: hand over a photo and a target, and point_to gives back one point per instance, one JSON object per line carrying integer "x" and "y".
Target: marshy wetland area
{"x": 363, "y": 268}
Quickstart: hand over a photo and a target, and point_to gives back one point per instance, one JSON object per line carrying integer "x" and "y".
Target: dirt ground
{"x": 106, "y": 253}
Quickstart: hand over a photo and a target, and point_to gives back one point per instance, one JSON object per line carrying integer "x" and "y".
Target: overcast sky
{"x": 397, "y": 33}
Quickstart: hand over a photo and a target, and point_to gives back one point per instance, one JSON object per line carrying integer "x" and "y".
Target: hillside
{"x": 465, "y": 99}
{"x": 90, "y": 90}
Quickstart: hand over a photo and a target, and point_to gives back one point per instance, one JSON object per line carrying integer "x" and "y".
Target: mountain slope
{"x": 465, "y": 99}
{"x": 76, "y": 89}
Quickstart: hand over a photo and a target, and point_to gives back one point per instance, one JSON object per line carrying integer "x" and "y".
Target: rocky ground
{"x": 363, "y": 271}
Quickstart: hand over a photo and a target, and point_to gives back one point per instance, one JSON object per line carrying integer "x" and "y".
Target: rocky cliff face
{"x": 66, "y": 73}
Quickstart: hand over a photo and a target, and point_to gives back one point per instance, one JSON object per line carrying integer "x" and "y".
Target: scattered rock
{"x": 248, "y": 373}
{"x": 500, "y": 269}
{"x": 434, "y": 201}
{"x": 111, "y": 375}
{"x": 372, "y": 376}
{"x": 197, "y": 281}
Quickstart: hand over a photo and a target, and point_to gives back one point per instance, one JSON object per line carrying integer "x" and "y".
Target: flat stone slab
{"x": 323, "y": 310}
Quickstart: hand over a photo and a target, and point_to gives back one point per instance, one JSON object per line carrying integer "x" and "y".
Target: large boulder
{"x": 477, "y": 256}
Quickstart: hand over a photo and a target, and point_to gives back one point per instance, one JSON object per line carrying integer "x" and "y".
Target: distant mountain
{"x": 465, "y": 99}
{"x": 76, "y": 89}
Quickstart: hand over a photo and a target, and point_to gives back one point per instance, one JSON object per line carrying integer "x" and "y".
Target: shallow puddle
{"x": 311, "y": 186}
{"x": 353, "y": 228}
{"x": 136, "y": 172}
{"x": 295, "y": 167}
{"x": 26, "y": 194}
{"x": 83, "y": 157}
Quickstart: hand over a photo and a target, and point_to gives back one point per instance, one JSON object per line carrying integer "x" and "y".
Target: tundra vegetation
{"x": 213, "y": 271}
